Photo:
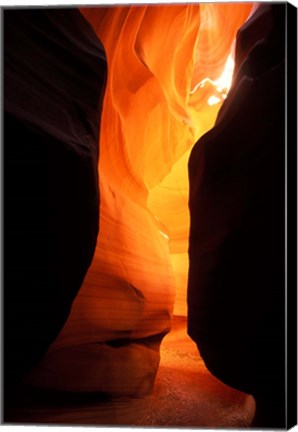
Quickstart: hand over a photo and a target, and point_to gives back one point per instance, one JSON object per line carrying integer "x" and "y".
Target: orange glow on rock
{"x": 151, "y": 119}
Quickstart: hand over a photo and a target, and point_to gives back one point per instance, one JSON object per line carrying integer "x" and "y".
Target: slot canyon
{"x": 144, "y": 154}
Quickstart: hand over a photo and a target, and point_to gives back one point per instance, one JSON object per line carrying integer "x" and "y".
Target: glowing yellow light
{"x": 164, "y": 235}
{"x": 222, "y": 84}
{"x": 214, "y": 100}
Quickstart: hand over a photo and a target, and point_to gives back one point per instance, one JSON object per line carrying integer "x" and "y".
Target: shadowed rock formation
{"x": 124, "y": 308}
{"x": 54, "y": 80}
{"x": 236, "y": 288}
{"x": 163, "y": 64}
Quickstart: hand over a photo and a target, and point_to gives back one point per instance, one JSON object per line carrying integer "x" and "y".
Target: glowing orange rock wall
{"x": 156, "y": 56}
{"x": 151, "y": 119}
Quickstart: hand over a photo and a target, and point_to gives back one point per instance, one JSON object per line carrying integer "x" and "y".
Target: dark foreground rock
{"x": 236, "y": 286}
{"x": 54, "y": 80}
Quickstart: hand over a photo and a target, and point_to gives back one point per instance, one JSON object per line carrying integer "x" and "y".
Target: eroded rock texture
{"x": 150, "y": 120}
{"x": 54, "y": 79}
{"x": 154, "y": 110}
{"x": 236, "y": 284}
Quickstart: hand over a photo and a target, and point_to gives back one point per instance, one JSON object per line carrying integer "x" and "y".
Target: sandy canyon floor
{"x": 185, "y": 395}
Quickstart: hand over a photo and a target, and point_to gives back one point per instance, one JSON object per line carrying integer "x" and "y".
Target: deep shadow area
{"x": 185, "y": 395}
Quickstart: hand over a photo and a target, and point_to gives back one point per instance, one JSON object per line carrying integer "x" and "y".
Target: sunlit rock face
{"x": 152, "y": 116}
{"x": 236, "y": 290}
{"x": 163, "y": 65}
{"x": 150, "y": 121}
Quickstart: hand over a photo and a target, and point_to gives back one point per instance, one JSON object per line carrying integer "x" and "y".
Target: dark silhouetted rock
{"x": 54, "y": 80}
{"x": 236, "y": 286}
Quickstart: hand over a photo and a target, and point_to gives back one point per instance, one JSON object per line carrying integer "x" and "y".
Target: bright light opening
{"x": 221, "y": 85}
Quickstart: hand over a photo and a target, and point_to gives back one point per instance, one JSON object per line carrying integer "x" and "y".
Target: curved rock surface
{"x": 54, "y": 79}
{"x": 125, "y": 305}
{"x": 152, "y": 117}
{"x": 236, "y": 289}
{"x": 163, "y": 63}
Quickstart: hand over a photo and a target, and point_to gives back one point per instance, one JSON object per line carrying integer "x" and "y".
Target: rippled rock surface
{"x": 110, "y": 343}
{"x": 155, "y": 108}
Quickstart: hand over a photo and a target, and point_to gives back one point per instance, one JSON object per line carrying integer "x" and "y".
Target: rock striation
{"x": 110, "y": 342}
{"x": 163, "y": 64}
